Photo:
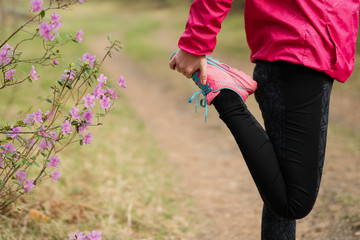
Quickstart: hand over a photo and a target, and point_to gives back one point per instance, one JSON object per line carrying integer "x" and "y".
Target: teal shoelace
{"x": 205, "y": 89}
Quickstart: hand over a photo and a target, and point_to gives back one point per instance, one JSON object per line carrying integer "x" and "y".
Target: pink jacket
{"x": 319, "y": 34}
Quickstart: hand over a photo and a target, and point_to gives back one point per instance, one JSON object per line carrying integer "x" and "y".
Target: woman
{"x": 299, "y": 47}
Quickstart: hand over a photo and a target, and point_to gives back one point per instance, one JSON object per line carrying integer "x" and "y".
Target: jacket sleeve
{"x": 204, "y": 23}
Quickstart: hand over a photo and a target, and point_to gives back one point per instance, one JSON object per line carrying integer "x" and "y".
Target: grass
{"x": 122, "y": 185}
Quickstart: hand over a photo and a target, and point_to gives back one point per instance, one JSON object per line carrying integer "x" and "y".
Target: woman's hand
{"x": 187, "y": 63}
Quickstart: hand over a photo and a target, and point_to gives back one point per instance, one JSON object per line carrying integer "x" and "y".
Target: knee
{"x": 294, "y": 209}
{"x": 298, "y": 210}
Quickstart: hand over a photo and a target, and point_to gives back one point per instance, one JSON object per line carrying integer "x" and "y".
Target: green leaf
{"x": 48, "y": 100}
{"x": 44, "y": 154}
{"x": 20, "y": 139}
{"x": 42, "y": 13}
{"x": 36, "y": 164}
{"x": 33, "y": 158}
{"x": 17, "y": 183}
{"x": 68, "y": 86}
{"x": 81, "y": 142}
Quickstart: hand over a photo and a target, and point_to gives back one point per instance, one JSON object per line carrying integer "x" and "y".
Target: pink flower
{"x": 44, "y": 145}
{"x": 81, "y": 1}
{"x": 87, "y": 117}
{"x": 29, "y": 184}
{"x": 29, "y": 118}
{"x": 38, "y": 116}
{"x": 45, "y": 30}
{"x": 48, "y": 115}
{"x": 55, "y": 20}
{"x": 5, "y": 53}
{"x": 68, "y": 74}
{"x": 89, "y": 100}
{"x": 54, "y": 161}
{"x": 79, "y": 36}
{"x": 98, "y": 92}
{"x": 43, "y": 132}
{"x": 53, "y": 136}
{"x": 20, "y": 176}
{"x": 102, "y": 79}
{"x": 87, "y": 138}
{"x": 29, "y": 142}
{"x": 33, "y": 74}
{"x": 122, "y": 82}
{"x": 82, "y": 128}
{"x": 94, "y": 235}
{"x": 87, "y": 58}
{"x": 66, "y": 127}
{"x": 14, "y": 132}
{"x": 105, "y": 102}
{"x": 78, "y": 236}
{"x": 112, "y": 93}
{"x": 55, "y": 176}
{"x": 55, "y": 62}
{"x": 10, "y": 74}
{"x": 36, "y": 5}
{"x": 8, "y": 148}
{"x": 75, "y": 113}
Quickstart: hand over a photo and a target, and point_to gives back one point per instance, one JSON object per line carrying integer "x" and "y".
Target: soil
{"x": 212, "y": 172}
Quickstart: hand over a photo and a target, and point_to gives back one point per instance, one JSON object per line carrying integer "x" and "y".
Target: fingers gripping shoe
{"x": 221, "y": 76}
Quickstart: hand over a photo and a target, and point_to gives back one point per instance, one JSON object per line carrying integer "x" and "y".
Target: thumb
{"x": 172, "y": 63}
{"x": 203, "y": 71}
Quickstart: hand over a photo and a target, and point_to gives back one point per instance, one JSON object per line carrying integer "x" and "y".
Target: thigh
{"x": 294, "y": 102}
{"x": 306, "y": 94}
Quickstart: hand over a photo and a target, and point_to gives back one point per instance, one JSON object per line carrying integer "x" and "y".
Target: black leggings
{"x": 286, "y": 160}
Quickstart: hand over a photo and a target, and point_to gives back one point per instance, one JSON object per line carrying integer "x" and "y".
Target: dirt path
{"x": 209, "y": 163}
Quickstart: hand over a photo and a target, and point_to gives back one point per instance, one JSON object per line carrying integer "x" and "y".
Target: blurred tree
{"x": 2, "y": 17}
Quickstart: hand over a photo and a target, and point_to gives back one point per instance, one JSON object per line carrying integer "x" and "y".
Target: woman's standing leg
{"x": 286, "y": 160}
{"x": 274, "y": 227}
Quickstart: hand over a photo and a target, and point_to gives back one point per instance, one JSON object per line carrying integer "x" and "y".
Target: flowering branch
{"x": 27, "y": 157}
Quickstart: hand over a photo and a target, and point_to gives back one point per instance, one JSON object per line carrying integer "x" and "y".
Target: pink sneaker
{"x": 221, "y": 76}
